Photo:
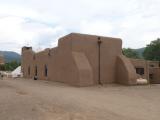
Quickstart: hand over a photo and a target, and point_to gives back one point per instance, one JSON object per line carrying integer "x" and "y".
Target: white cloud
{"x": 41, "y": 22}
{"x": 96, "y": 27}
{"x": 16, "y": 32}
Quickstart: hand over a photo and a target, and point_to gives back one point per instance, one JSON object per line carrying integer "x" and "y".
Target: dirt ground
{"x": 23, "y": 99}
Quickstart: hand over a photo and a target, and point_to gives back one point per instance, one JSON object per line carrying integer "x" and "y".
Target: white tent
{"x": 17, "y": 72}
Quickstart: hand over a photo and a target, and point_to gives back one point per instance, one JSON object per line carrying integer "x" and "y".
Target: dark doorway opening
{"x": 99, "y": 60}
{"x": 45, "y": 70}
{"x": 36, "y": 71}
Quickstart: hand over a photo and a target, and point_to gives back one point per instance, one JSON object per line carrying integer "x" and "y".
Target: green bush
{"x": 10, "y": 66}
{"x": 130, "y": 53}
{"x": 152, "y": 51}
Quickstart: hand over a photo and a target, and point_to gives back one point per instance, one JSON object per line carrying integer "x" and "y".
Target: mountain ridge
{"x": 10, "y": 56}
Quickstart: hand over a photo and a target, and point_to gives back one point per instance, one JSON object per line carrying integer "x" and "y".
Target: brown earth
{"x": 23, "y": 99}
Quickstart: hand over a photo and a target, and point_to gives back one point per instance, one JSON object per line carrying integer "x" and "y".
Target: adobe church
{"x": 85, "y": 60}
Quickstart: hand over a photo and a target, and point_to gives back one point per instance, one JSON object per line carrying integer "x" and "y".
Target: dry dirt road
{"x": 22, "y": 99}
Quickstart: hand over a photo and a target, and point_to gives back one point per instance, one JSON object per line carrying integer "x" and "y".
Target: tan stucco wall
{"x": 154, "y": 70}
{"x": 140, "y": 63}
{"x": 150, "y": 68}
{"x": 26, "y": 61}
{"x": 75, "y": 60}
{"x": 154, "y": 63}
{"x": 156, "y": 75}
{"x": 126, "y": 74}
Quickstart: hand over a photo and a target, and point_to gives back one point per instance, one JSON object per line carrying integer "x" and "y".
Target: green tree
{"x": 2, "y": 67}
{"x": 130, "y": 53}
{"x": 10, "y": 66}
{"x": 152, "y": 51}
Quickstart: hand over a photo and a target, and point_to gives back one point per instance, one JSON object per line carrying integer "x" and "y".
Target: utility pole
{"x": 99, "y": 60}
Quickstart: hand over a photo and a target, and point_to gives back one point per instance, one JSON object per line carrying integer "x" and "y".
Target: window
{"x": 140, "y": 71}
{"x": 150, "y": 76}
{"x": 36, "y": 71}
{"x": 49, "y": 53}
{"x": 151, "y": 65}
{"x": 34, "y": 57}
{"x": 29, "y": 70}
{"x": 45, "y": 70}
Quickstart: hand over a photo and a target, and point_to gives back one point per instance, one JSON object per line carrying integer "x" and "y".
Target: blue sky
{"x": 39, "y": 23}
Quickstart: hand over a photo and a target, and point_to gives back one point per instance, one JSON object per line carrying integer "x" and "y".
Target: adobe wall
{"x": 59, "y": 64}
{"x": 32, "y": 59}
{"x": 87, "y": 44}
{"x": 155, "y": 72}
{"x": 75, "y": 60}
{"x": 151, "y": 69}
{"x": 126, "y": 73}
{"x": 27, "y": 61}
{"x": 154, "y": 63}
{"x": 63, "y": 67}
{"x": 41, "y": 60}
{"x": 140, "y": 63}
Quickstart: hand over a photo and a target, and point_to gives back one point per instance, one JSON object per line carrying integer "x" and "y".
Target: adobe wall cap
{"x": 138, "y": 59}
{"x": 149, "y": 61}
{"x": 153, "y": 61}
{"x": 92, "y": 35}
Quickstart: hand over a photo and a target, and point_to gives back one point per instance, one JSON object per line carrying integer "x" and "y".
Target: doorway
{"x": 45, "y": 70}
{"x": 36, "y": 70}
{"x": 99, "y": 60}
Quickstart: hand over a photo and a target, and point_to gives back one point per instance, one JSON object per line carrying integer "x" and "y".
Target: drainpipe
{"x": 99, "y": 60}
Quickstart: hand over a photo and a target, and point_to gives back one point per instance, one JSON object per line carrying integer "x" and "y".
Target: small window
{"x": 140, "y": 71}
{"x": 151, "y": 76}
{"x": 45, "y": 70}
{"x": 151, "y": 65}
{"x": 29, "y": 70}
{"x": 49, "y": 53}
